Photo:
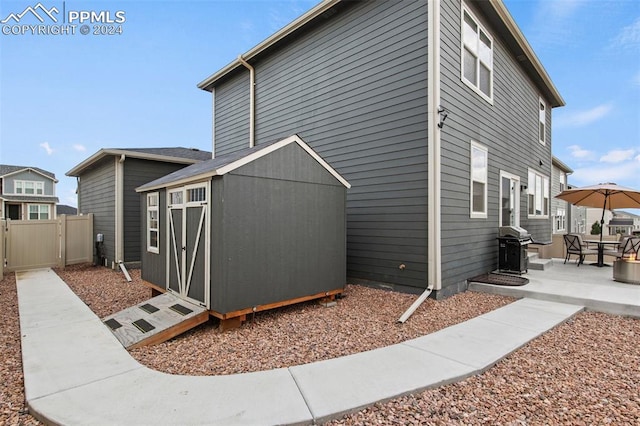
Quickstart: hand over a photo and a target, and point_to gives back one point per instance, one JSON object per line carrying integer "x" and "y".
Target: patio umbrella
{"x": 609, "y": 196}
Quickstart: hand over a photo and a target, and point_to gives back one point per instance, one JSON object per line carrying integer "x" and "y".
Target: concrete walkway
{"x": 76, "y": 371}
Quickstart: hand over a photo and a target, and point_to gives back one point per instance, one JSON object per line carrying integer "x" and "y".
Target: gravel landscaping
{"x": 586, "y": 371}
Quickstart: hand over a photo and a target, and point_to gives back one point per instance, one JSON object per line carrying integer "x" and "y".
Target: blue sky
{"x": 63, "y": 97}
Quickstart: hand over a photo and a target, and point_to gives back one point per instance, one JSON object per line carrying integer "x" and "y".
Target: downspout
{"x": 119, "y": 229}
{"x": 252, "y": 100}
{"x": 213, "y": 123}
{"x": 434, "y": 259}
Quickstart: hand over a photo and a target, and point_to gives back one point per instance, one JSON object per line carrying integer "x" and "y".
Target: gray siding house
{"x": 27, "y": 193}
{"x": 247, "y": 231}
{"x": 106, "y": 188}
{"x": 438, "y": 113}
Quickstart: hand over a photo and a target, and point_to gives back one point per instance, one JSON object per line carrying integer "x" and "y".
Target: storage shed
{"x": 253, "y": 230}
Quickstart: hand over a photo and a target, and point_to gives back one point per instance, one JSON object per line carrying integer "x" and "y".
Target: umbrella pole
{"x": 602, "y": 219}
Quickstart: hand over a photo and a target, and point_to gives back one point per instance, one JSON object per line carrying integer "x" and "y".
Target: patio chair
{"x": 575, "y": 245}
{"x": 629, "y": 248}
{"x": 617, "y": 252}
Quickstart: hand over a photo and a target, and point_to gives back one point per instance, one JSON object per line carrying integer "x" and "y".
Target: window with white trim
{"x": 479, "y": 173}
{"x": 153, "y": 223}
{"x": 563, "y": 182}
{"x": 542, "y": 121}
{"x": 477, "y": 56}
{"x": 28, "y": 187}
{"x": 538, "y": 195}
{"x": 38, "y": 211}
{"x": 560, "y": 221}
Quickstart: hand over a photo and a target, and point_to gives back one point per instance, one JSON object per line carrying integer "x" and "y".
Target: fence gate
{"x": 31, "y": 244}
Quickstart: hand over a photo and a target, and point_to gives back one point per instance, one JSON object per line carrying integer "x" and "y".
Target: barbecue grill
{"x": 512, "y": 252}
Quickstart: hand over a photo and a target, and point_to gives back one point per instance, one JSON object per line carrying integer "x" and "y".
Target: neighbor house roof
{"x": 229, "y": 162}
{"x": 496, "y": 13}
{"x": 559, "y": 164}
{"x": 177, "y": 155}
{"x": 65, "y": 209}
{"x": 29, "y": 198}
{"x": 7, "y": 170}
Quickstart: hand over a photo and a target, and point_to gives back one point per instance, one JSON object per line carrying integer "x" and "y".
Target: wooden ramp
{"x": 155, "y": 321}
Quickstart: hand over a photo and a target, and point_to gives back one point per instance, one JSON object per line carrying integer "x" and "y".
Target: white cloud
{"x": 580, "y": 153}
{"x": 625, "y": 174}
{"x": 80, "y": 148}
{"x": 617, "y": 156}
{"x": 47, "y": 148}
{"x": 584, "y": 117}
{"x": 629, "y": 36}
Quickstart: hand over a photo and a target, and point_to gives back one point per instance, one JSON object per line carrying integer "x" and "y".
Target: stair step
{"x": 155, "y": 320}
{"x": 540, "y": 264}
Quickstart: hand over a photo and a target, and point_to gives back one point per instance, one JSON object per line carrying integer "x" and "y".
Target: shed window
{"x": 175, "y": 198}
{"x": 477, "y": 56}
{"x": 38, "y": 211}
{"x": 479, "y": 172}
{"x": 538, "y": 195}
{"x": 196, "y": 194}
{"x": 153, "y": 223}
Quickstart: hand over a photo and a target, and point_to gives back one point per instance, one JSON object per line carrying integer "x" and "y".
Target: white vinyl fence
{"x": 31, "y": 244}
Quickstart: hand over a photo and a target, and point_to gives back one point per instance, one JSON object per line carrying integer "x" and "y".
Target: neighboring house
{"x": 64, "y": 209}
{"x": 27, "y": 193}
{"x": 106, "y": 188}
{"x": 593, "y": 215}
{"x": 438, "y": 113}
{"x": 560, "y": 209}
{"x": 623, "y": 223}
{"x": 577, "y": 218}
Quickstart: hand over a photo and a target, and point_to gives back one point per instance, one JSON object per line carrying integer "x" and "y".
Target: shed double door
{"x": 188, "y": 234}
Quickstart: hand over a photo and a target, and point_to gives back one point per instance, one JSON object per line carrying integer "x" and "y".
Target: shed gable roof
{"x": 227, "y": 163}
{"x": 177, "y": 155}
{"x": 495, "y": 10}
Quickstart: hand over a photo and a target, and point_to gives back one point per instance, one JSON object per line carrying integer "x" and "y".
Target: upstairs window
{"x": 538, "y": 195}
{"x": 28, "y": 187}
{"x": 477, "y": 56}
{"x": 479, "y": 173}
{"x": 563, "y": 182}
{"x": 542, "y": 119}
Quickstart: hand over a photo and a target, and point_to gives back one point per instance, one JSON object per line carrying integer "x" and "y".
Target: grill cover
{"x": 514, "y": 232}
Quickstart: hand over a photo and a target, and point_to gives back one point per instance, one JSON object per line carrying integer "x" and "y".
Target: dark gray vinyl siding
{"x": 136, "y": 173}
{"x": 355, "y": 89}
{"x": 277, "y": 236}
{"x": 508, "y": 128}
{"x": 96, "y": 194}
{"x": 154, "y": 265}
{"x": 232, "y": 114}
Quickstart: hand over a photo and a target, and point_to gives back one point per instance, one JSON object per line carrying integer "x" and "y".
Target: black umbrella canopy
{"x": 609, "y": 196}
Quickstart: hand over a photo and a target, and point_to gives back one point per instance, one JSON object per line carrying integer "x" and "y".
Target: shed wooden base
{"x": 234, "y": 319}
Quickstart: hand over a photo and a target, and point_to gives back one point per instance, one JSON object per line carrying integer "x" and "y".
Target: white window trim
{"x": 531, "y": 186}
{"x": 562, "y": 228}
{"x": 37, "y": 185}
{"x": 542, "y": 119}
{"x": 48, "y": 206}
{"x": 474, "y": 214}
{"x": 155, "y": 208}
{"x": 516, "y": 206}
{"x": 471, "y": 85}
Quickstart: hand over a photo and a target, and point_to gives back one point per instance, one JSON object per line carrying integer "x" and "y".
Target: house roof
{"x": 29, "y": 199}
{"x": 6, "y": 170}
{"x": 559, "y": 164}
{"x": 496, "y": 13}
{"x": 229, "y": 162}
{"x": 177, "y": 155}
{"x": 65, "y": 209}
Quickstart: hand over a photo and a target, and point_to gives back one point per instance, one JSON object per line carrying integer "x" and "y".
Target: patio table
{"x": 601, "y": 245}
